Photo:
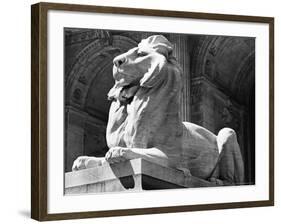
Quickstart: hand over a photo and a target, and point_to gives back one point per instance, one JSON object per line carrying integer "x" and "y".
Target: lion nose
{"x": 118, "y": 61}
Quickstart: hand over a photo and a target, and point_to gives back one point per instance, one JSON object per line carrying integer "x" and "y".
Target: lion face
{"x": 130, "y": 67}
{"x": 139, "y": 67}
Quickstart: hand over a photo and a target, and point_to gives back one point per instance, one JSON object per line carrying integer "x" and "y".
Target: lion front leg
{"x": 120, "y": 154}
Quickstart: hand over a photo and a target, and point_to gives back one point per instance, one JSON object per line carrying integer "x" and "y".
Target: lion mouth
{"x": 128, "y": 92}
{"x": 124, "y": 93}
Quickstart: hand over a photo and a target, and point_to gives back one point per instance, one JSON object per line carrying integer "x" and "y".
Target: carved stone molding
{"x": 228, "y": 61}
{"x": 73, "y": 36}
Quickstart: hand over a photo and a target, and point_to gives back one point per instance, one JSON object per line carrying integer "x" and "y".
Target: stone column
{"x": 181, "y": 52}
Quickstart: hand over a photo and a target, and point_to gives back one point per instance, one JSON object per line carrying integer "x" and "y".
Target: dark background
{"x": 219, "y": 86}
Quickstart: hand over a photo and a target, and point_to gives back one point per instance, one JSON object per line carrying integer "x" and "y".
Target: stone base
{"x": 133, "y": 175}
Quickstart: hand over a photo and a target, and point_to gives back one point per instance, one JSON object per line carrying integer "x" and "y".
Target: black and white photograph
{"x": 157, "y": 111}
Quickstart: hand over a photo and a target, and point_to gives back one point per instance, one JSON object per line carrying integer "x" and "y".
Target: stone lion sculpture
{"x": 144, "y": 120}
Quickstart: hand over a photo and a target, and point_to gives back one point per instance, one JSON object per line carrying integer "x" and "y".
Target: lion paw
{"x": 116, "y": 155}
{"x": 85, "y": 162}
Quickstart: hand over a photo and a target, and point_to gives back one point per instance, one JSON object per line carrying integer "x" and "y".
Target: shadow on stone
{"x": 127, "y": 181}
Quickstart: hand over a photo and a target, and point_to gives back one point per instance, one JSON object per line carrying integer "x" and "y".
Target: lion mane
{"x": 145, "y": 109}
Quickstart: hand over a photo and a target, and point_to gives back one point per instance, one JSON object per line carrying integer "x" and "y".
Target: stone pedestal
{"x": 133, "y": 175}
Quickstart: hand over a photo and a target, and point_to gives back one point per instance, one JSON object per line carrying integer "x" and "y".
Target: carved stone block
{"x": 132, "y": 175}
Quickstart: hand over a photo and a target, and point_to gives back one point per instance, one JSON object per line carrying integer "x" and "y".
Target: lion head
{"x": 140, "y": 67}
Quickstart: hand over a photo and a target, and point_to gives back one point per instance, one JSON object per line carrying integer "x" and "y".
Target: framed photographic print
{"x": 138, "y": 111}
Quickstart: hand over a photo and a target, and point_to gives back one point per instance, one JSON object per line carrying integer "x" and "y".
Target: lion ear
{"x": 153, "y": 75}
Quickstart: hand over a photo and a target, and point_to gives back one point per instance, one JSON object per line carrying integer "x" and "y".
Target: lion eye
{"x": 141, "y": 54}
